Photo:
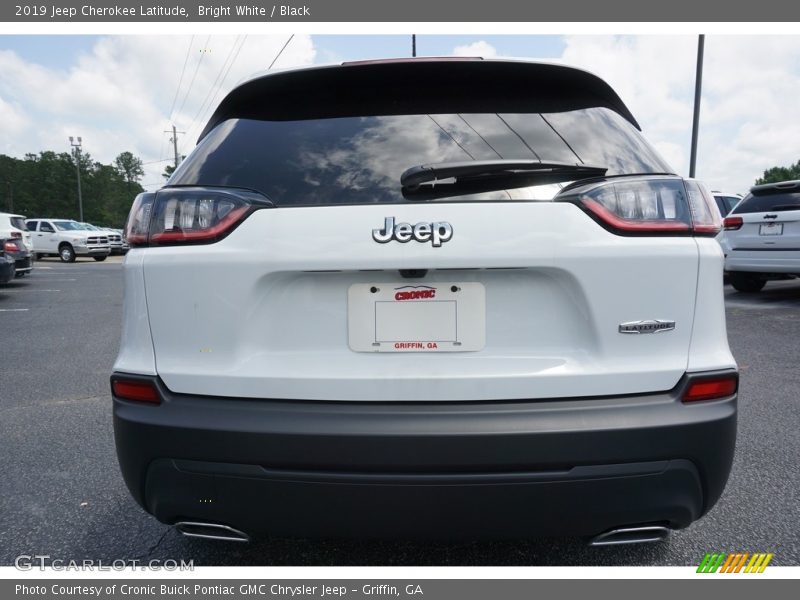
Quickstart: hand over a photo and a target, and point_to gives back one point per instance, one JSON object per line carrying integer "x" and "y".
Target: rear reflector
{"x": 711, "y": 389}
{"x": 138, "y": 391}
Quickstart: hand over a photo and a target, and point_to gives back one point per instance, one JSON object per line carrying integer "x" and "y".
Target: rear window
{"x": 18, "y": 222}
{"x": 768, "y": 203}
{"x": 359, "y": 160}
{"x": 31, "y": 225}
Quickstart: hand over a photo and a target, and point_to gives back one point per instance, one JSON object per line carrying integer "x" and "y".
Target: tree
{"x": 170, "y": 169}
{"x": 776, "y": 174}
{"x": 44, "y": 185}
{"x": 129, "y": 166}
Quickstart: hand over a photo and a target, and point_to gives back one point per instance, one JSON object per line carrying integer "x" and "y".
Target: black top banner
{"x": 402, "y": 11}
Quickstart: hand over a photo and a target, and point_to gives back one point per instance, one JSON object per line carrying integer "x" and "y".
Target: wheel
{"x": 747, "y": 282}
{"x": 20, "y": 274}
{"x": 99, "y": 258}
{"x": 38, "y": 256}
{"x": 66, "y": 253}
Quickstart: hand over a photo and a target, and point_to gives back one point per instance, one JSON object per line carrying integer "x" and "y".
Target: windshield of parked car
{"x": 360, "y": 160}
{"x": 67, "y": 226}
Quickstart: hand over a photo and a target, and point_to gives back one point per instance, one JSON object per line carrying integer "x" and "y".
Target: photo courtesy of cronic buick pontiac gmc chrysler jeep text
{"x": 425, "y": 298}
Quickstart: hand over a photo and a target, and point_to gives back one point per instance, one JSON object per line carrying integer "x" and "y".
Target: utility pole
{"x": 76, "y": 148}
{"x": 698, "y": 85}
{"x": 174, "y": 140}
{"x": 413, "y": 45}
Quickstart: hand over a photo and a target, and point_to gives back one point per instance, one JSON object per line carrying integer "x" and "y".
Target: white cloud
{"x": 479, "y": 48}
{"x": 118, "y": 95}
{"x": 751, "y": 86}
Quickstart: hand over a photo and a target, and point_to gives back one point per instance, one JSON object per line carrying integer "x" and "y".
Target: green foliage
{"x": 45, "y": 185}
{"x": 777, "y": 174}
{"x": 129, "y": 166}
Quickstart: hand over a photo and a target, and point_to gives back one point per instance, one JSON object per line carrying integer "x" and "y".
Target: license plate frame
{"x": 401, "y": 317}
{"x": 770, "y": 229}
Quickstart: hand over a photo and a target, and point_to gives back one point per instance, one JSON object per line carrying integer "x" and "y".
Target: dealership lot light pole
{"x": 76, "y": 150}
{"x": 698, "y": 86}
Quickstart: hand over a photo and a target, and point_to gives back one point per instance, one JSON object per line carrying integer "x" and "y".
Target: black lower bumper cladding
{"x": 468, "y": 470}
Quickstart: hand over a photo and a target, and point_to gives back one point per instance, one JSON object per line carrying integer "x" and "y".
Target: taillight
{"x": 174, "y": 216}
{"x": 732, "y": 223}
{"x": 136, "y": 390}
{"x": 711, "y": 388}
{"x": 11, "y": 246}
{"x": 138, "y": 223}
{"x": 16, "y": 235}
{"x": 647, "y": 205}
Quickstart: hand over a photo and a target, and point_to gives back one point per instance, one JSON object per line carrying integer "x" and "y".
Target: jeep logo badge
{"x": 436, "y": 233}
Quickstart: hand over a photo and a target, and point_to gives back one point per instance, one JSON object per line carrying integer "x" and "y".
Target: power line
{"x": 196, "y": 69}
{"x": 221, "y": 85}
{"x": 280, "y": 52}
{"x": 216, "y": 80}
{"x": 180, "y": 80}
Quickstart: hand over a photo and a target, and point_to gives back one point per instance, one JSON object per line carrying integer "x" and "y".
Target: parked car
{"x": 449, "y": 298}
{"x": 22, "y": 257}
{"x": 7, "y": 269}
{"x": 13, "y": 226}
{"x": 762, "y": 236}
{"x": 726, "y": 202}
{"x": 66, "y": 239}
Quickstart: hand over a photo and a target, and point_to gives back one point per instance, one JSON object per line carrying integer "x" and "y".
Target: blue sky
{"x": 121, "y": 92}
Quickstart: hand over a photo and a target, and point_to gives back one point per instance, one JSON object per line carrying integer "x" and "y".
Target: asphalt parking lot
{"x": 62, "y": 494}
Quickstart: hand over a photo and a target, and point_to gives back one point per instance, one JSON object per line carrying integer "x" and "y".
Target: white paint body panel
{"x": 263, "y": 313}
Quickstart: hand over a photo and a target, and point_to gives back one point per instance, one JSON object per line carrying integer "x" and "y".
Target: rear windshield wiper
{"x": 496, "y": 171}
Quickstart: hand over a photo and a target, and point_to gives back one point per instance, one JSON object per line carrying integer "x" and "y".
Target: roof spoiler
{"x": 417, "y": 86}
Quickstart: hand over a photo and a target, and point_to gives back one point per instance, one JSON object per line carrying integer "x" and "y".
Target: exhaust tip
{"x": 211, "y": 531}
{"x": 631, "y": 535}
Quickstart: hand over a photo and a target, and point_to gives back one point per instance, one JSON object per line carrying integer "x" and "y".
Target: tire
{"x": 66, "y": 253}
{"x": 748, "y": 283}
{"x": 38, "y": 256}
{"x": 99, "y": 258}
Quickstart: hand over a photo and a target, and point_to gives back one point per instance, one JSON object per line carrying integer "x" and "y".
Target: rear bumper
{"x": 23, "y": 265}
{"x": 468, "y": 470}
{"x": 767, "y": 261}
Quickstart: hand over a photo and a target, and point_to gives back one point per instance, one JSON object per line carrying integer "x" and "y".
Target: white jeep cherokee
{"x": 437, "y": 298}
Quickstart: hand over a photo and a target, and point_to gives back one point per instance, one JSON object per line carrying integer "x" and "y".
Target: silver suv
{"x": 762, "y": 236}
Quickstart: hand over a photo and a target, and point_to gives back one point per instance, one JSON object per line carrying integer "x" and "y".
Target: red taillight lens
{"x": 733, "y": 223}
{"x": 647, "y": 205}
{"x": 711, "y": 388}
{"x": 11, "y": 246}
{"x": 175, "y": 216}
{"x": 138, "y": 391}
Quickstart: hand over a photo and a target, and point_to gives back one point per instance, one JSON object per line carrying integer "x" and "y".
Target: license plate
{"x": 397, "y": 317}
{"x": 770, "y": 229}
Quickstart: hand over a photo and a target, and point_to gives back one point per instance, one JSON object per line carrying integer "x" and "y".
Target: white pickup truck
{"x": 66, "y": 239}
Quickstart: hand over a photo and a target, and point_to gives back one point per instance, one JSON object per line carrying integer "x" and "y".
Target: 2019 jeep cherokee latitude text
{"x": 445, "y": 298}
